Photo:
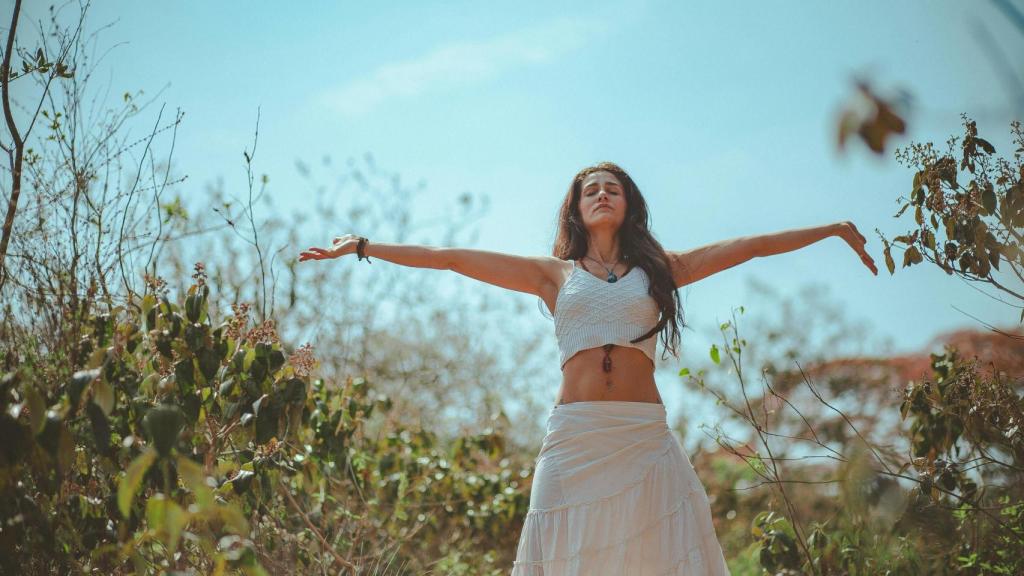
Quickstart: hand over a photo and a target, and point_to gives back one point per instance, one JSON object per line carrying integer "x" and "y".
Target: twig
{"x": 323, "y": 541}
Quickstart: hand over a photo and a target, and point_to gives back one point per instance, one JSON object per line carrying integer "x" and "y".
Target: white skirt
{"x": 614, "y": 494}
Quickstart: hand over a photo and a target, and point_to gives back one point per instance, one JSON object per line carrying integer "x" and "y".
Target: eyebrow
{"x": 595, "y": 184}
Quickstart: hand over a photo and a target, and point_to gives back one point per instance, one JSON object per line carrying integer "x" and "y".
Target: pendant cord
{"x": 611, "y": 275}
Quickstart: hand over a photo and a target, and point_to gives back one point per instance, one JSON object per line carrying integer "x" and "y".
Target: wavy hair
{"x": 636, "y": 245}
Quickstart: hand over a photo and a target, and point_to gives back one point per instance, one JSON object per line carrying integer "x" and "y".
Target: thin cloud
{"x": 459, "y": 63}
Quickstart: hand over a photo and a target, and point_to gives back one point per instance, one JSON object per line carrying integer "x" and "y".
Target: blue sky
{"x": 723, "y": 113}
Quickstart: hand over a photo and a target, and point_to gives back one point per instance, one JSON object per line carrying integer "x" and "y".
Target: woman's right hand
{"x": 342, "y": 245}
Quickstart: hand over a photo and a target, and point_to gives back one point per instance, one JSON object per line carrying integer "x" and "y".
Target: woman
{"x": 613, "y": 492}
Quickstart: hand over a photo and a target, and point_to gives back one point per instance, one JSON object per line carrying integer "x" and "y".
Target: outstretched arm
{"x": 692, "y": 265}
{"x": 531, "y": 274}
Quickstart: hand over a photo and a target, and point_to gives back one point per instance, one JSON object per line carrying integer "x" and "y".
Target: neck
{"x": 604, "y": 247}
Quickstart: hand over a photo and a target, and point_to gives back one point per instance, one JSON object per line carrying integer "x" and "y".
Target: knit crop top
{"x": 590, "y": 312}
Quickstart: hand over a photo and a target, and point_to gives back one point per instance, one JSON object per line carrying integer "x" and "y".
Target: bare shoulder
{"x": 557, "y": 271}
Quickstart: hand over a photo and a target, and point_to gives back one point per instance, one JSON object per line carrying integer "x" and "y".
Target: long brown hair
{"x": 636, "y": 245}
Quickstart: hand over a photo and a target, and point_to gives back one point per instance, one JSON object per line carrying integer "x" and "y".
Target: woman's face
{"x": 602, "y": 201}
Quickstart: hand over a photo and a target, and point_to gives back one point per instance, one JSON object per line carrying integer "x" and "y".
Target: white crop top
{"x": 590, "y": 312}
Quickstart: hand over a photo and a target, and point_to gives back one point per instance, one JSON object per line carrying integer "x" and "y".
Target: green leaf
{"x": 163, "y": 423}
{"x": 234, "y": 519}
{"x": 757, "y": 464}
{"x": 100, "y": 427}
{"x": 276, "y": 360}
{"x": 129, "y": 485}
{"x": 167, "y": 518}
{"x": 103, "y": 396}
{"x": 209, "y": 363}
{"x": 684, "y": 372}
{"x": 195, "y": 479}
{"x": 714, "y": 354}
{"x": 37, "y": 410}
{"x": 79, "y": 380}
{"x": 192, "y": 306}
{"x": 267, "y": 419}
{"x": 184, "y": 375}
{"x": 295, "y": 391}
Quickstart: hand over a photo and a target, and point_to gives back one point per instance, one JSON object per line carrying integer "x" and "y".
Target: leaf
{"x": 714, "y": 354}
{"x": 185, "y": 376}
{"x": 988, "y": 199}
{"x": 195, "y": 480}
{"x": 130, "y": 483}
{"x": 209, "y": 363}
{"x": 167, "y": 518}
{"x": 295, "y": 391}
{"x": 234, "y": 519}
{"x": 684, "y": 372}
{"x": 267, "y": 420}
{"x": 889, "y": 263}
{"x": 911, "y": 256}
{"x": 163, "y": 423}
{"x": 103, "y": 396}
{"x": 79, "y": 380}
{"x": 928, "y": 239}
{"x": 37, "y": 410}
{"x": 985, "y": 145}
{"x": 100, "y": 427}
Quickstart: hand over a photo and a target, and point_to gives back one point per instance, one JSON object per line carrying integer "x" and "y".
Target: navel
{"x": 607, "y": 363}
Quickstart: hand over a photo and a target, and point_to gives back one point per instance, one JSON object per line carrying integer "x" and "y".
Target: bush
{"x": 182, "y": 444}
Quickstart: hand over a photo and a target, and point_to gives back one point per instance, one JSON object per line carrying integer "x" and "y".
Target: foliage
{"x": 186, "y": 444}
{"x": 967, "y": 224}
{"x": 841, "y": 504}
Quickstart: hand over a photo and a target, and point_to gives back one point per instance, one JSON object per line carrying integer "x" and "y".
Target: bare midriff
{"x": 631, "y": 377}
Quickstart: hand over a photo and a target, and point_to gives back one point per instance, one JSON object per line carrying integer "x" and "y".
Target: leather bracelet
{"x": 360, "y": 247}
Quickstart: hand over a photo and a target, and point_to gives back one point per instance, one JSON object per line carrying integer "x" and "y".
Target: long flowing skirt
{"x": 615, "y": 494}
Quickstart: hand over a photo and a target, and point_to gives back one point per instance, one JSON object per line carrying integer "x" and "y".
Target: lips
{"x": 602, "y": 207}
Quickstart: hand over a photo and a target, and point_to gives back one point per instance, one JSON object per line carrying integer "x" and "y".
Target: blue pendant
{"x": 612, "y": 277}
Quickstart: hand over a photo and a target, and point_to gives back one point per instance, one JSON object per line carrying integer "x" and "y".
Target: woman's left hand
{"x": 847, "y": 231}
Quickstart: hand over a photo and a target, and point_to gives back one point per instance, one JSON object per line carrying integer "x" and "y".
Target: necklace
{"x": 611, "y": 275}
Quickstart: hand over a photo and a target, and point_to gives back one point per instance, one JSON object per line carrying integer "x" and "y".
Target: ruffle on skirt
{"x": 615, "y": 494}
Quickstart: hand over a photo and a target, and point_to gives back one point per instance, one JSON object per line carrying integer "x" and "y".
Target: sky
{"x": 723, "y": 113}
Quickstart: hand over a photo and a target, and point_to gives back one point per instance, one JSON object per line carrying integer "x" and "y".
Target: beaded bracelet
{"x": 360, "y": 247}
